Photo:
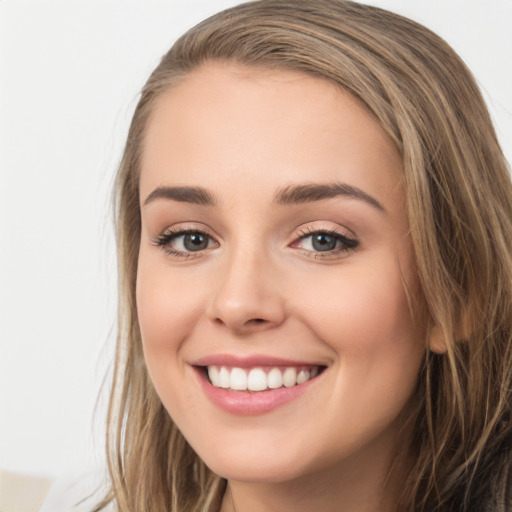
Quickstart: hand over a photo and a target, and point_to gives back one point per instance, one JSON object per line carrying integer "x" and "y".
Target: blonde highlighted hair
{"x": 459, "y": 205}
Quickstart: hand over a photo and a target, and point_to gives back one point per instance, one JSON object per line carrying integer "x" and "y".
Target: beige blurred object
{"x": 22, "y": 493}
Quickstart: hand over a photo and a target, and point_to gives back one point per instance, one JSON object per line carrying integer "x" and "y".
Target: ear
{"x": 436, "y": 340}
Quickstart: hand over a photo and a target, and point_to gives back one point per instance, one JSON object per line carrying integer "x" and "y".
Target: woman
{"x": 314, "y": 244}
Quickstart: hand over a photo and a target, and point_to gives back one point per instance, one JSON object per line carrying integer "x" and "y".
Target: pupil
{"x": 324, "y": 242}
{"x": 195, "y": 242}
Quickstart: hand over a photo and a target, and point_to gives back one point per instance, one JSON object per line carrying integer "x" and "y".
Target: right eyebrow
{"x": 195, "y": 195}
{"x": 310, "y": 192}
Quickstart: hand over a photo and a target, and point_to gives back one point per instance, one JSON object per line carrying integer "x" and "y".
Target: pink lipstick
{"x": 254, "y": 385}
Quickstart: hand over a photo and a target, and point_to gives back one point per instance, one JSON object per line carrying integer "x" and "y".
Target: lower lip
{"x": 248, "y": 403}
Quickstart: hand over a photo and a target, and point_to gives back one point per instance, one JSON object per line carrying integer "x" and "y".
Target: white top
{"x": 76, "y": 493}
{"x": 21, "y": 492}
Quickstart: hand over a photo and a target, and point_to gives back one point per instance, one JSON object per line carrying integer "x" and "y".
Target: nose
{"x": 247, "y": 296}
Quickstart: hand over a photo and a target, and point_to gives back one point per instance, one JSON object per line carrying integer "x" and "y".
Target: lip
{"x": 252, "y": 361}
{"x": 249, "y": 403}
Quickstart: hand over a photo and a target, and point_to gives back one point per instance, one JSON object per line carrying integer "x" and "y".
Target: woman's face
{"x": 275, "y": 254}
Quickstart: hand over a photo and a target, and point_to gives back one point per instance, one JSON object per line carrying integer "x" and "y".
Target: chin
{"x": 259, "y": 465}
{"x": 271, "y": 473}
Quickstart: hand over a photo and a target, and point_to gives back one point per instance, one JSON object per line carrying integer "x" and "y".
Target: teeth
{"x": 302, "y": 377}
{"x": 274, "y": 378}
{"x": 213, "y": 373}
{"x": 290, "y": 377}
{"x": 257, "y": 380}
{"x": 224, "y": 378}
{"x": 239, "y": 379}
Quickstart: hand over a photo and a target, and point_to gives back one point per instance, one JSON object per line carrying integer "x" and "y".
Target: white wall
{"x": 70, "y": 71}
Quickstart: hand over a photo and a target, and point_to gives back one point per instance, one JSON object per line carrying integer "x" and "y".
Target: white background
{"x": 70, "y": 72}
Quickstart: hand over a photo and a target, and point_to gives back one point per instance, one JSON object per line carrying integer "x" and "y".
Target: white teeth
{"x": 257, "y": 379}
{"x": 224, "y": 378}
{"x": 290, "y": 377}
{"x": 274, "y": 378}
{"x": 238, "y": 380}
{"x": 213, "y": 373}
{"x": 302, "y": 377}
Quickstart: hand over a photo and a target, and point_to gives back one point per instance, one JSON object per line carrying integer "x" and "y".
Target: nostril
{"x": 257, "y": 320}
{"x": 248, "y": 322}
{"x": 251, "y": 325}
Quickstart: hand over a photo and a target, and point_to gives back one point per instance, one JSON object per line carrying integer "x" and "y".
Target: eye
{"x": 192, "y": 241}
{"x": 321, "y": 242}
{"x": 325, "y": 243}
{"x": 184, "y": 243}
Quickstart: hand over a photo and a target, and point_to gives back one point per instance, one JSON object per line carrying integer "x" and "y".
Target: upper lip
{"x": 250, "y": 361}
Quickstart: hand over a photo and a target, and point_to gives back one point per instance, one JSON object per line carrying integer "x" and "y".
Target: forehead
{"x": 225, "y": 121}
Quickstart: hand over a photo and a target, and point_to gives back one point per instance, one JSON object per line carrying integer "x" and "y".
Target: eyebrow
{"x": 195, "y": 195}
{"x": 307, "y": 193}
{"x": 293, "y": 194}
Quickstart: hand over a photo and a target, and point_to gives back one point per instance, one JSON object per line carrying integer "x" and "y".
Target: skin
{"x": 261, "y": 287}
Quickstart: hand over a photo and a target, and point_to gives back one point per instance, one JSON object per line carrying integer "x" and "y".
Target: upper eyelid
{"x": 333, "y": 229}
{"x": 173, "y": 233}
{"x": 183, "y": 228}
{"x": 329, "y": 231}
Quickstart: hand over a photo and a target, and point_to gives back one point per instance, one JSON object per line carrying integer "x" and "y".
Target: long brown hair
{"x": 459, "y": 204}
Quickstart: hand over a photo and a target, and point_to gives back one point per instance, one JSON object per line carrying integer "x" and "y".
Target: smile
{"x": 255, "y": 385}
{"x": 260, "y": 379}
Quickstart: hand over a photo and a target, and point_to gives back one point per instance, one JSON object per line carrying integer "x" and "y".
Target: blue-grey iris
{"x": 195, "y": 242}
{"x": 324, "y": 242}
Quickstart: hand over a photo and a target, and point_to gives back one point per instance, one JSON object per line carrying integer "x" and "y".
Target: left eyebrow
{"x": 309, "y": 192}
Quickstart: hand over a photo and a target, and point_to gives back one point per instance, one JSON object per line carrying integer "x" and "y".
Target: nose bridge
{"x": 247, "y": 296}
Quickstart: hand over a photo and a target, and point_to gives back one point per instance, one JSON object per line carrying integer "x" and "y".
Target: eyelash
{"x": 347, "y": 243}
{"x": 165, "y": 240}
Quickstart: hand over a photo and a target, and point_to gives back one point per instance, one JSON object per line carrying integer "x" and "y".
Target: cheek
{"x": 366, "y": 321}
{"x": 168, "y": 308}
{"x": 365, "y": 318}
{"x": 164, "y": 301}
{"x": 361, "y": 308}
